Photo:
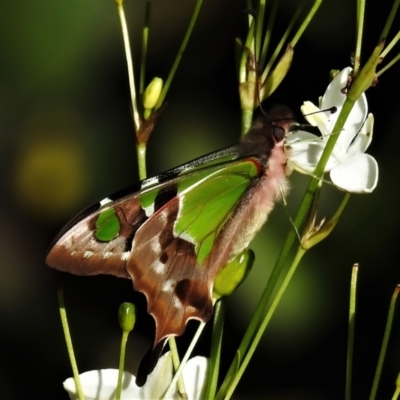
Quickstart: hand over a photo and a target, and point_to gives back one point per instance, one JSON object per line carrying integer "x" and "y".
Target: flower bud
{"x": 126, "y": 316}
{"x": 152, "y": 93}
{"x": 276, "y": 76}
{"x": 233, "y": 274}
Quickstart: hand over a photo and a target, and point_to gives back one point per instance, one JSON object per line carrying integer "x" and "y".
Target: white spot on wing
{"x": 155, "y": 245}
{"x": 176, "y": 302}
{"x": 149, "y": 210}
{"x": 125, "y": 255}
{"x": 105, "y": 201}
{"x": 150, "y": 182}
{"x": 68, "y": 243}
{"x": 88, "y": 254}
{"x": 107, "y": 254}
{"x": 168, "y": 286}
{"x": 158, "y": 267}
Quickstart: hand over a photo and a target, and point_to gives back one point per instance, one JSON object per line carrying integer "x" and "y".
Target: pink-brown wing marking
{"x": 165, "y": 269}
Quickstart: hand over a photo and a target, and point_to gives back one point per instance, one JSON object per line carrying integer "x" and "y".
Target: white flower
{"x": 101, "y": 384}
{"x": 350, "y": 169}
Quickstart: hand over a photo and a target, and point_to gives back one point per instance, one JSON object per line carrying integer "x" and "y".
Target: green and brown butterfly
{"x": 171, "y": 234}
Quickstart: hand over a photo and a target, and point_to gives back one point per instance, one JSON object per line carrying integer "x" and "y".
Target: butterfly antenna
{"x": 332, "y": 110}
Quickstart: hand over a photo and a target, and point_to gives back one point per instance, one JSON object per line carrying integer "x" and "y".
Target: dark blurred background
{"x": 66, "y": 140}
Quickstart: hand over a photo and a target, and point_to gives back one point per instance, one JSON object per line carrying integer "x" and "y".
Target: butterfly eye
{"x": 278, "y": 132}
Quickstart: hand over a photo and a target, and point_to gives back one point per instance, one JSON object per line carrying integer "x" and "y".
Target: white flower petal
{"x": 364, "y": 137}
{"x": 357, "y": 174}
{"x": 101, "y": 385}
{"x": 334, "y": 97}
{"x": 194, "y": 377}
{"x": 304, "y": 151}
{"x": 159, "y": 379}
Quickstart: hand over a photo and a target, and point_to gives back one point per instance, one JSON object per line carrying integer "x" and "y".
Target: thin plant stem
{"x": 390, "y": 19}
{"x": 396, "y": 393}
{"x": 184, "y": 361}
{"x": 299, "y": 255}
{"x": 280, "y": 44}
{"x": 305, "y": 23}
{"x": 70, "y": 347}
{"x": 129, "y": 61}
{"x": 397, "y": 58}
{"x": 176, "y": 362}
{"x": 260, "y": 24}
{"x": 246, "y": 53}
{"x": 141, "y": 155}
{"x": 385, "y": 342}
{"x": 180, "y": 54}
{"x": 124, "y": 339}
{"x": 350, "y": 336}
{"x": 359, "y": 34}
{"x": 268, "y": 33}
{"x": 216, "y": 345}
{"x": 145, "y": 41}
{"x": 390, "y": 45}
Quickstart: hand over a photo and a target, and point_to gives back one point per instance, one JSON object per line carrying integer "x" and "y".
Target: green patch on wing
{"x": 107, "y": 225}
{"x": 147, "y": 199}
{"x": 208, "y": 204}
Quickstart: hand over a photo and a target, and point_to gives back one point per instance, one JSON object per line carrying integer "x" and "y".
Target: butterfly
{"x": 172, "y": 233}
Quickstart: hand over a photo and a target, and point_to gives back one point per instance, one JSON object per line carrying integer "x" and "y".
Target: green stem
{"x": 350, "y": 336}
{"x": 141, "y": 155}
{"x": 397, "y": 58}
{"x": 185, "y": 359}
{"x": 390, "y": 45}
{"x": 300, "y": 253}
{"x": 280, "y": 44}
{"x": 68, "y": 342}
{"x": 385, "y": 342}
{"x": 145, "y": 42}
{"x": 359, "y": 34}
{"x": 305, "y": 23}
{"x": 268, "y": 33}
{"x": 176, "y": 362}
{"x": 215, "y": 353}
{"x": 260, "y": 24}
{"x": 180, "y": 54}
{"x": 390, "y": 19}
{"x": 124, "y": 340}
{"x": 247, "y": 117}
{"x": 129, "y": 61}
{"x": 396, "y": 393}
{"x": 246, "y": 53}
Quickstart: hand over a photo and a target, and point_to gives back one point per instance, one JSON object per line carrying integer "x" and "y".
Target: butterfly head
{"x": 268, "y": 130}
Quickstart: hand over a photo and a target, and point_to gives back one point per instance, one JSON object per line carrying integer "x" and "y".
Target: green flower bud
{"x": 276, "y": 76}
{"x": 152, "y": 93}
{"x": 233, "y": 274}
{"x": 126, "y": 316}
